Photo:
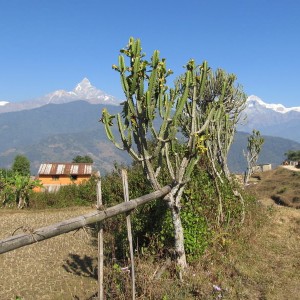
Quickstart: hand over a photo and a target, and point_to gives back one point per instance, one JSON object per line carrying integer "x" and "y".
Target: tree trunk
{"x": 174, "y": 198}
{"x": 179, "y": 238}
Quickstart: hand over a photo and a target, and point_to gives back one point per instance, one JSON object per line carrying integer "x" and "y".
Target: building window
{"x": 55, "y": 177}
{"x": 74, "y": 177}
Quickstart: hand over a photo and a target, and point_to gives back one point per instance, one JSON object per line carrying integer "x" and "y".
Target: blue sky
{"x": 53, "y": 44}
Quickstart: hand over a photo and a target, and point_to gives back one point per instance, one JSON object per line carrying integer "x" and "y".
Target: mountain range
{"x": 83, "y": 91}
{"x": 61, "y": 125}
{"x": 271, "y": 119}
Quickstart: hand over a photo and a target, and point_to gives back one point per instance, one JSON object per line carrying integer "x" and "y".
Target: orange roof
{"x": 65, "y": 169}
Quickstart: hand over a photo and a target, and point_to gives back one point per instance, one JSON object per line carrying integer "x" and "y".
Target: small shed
{"x": 54, "y": 175}
{"x": 262, "y": 168}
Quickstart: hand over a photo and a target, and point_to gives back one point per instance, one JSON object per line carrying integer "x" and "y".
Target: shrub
{"x": 67, "y": 196}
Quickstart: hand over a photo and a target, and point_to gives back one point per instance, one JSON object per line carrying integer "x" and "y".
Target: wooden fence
{"x": 36, "y": 235}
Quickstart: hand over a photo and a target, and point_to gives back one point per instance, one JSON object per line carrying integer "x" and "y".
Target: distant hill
{"x": 59, "y": 132}
{"x": 26, "y": 127}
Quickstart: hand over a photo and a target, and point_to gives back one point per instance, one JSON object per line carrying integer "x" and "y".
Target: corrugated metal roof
{"x": 65, "y": 169}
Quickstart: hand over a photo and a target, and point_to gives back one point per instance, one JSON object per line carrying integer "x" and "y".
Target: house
{"x": 54, "y": 175}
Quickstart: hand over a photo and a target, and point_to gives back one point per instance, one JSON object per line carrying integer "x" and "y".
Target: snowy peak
{"x": 3, "y": 103}
{"x": 84, "y": 90}
{"x": 271, "y": 119}
{"x": 83, "y": 85}
{"x": 254, "y": 101}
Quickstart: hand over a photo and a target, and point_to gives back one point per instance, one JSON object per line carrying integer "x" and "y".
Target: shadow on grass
{"x": 81, "y": 266}
{"x": 287, "y": 201}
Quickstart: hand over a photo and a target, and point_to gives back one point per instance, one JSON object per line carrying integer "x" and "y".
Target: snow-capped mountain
{"x": 83, "y": 91}
{"x": 271, "y": 119}
{"x": 253, "y": 101}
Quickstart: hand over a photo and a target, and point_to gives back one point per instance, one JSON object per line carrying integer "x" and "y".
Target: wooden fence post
{"x": 128, "y": 222}
{"x": 100, "y": 243}
{"x": 35, "y": 235}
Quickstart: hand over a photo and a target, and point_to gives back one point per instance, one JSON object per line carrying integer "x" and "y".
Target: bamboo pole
{"x": 43, "y": 233}
{"x": 129, "y": 232}
{"x": 100, "y": 244}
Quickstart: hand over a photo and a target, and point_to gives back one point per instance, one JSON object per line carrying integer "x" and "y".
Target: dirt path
{"x": 271, "y": 262}
{"x": 291, "y": 168}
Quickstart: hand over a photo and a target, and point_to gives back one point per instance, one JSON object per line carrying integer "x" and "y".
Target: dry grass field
{"x": 261, "y": 262}
{"x": 38, "y": 271}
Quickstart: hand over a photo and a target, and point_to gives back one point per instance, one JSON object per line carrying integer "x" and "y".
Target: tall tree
{"x": 177, "y": 109}
{"x": 254, "y": 146}
{"x": 21, "y": 165}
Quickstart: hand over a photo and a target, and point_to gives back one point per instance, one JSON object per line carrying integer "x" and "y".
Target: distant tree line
{"x": 293, "y": 155}
{"x": 82, "y": 159}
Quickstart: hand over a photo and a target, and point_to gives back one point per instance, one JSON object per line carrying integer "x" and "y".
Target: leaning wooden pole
{"x": 40, "y": 234}
{"x": 100, "y": 244}
{"x": 129, "y": 232}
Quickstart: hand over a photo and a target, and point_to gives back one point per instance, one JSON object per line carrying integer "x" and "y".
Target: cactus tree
{"x": 176, "y": 109}
{"x": 229, "y": 100}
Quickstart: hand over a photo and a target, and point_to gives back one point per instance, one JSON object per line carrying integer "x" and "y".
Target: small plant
{"x": 282, "y": 190}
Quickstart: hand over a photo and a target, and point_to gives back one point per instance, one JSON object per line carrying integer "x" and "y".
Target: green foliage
{"x": 6, "y": 173}
{"x": 255, "y": 142}
{"x": 293, "y": 155}
{"x": 16, "y": 188}
{"x": 146, "y": 220}
{"x": 67, "y": 196}
{"x": 195, "y": 225}
{"x": 199, "y": 214}
{"x": 152, "y": 223}
{"x": 82, "y": 159}
{"x": 21, "y": 165}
